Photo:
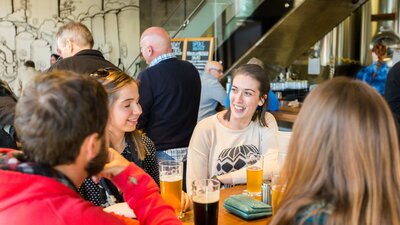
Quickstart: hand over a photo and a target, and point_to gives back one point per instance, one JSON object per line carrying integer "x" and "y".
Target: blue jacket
{"x": 379, "y": 82}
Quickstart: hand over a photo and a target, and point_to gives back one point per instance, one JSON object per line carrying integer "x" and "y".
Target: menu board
{"x": 178, "y": 45}
{"x": 198, "y": 51}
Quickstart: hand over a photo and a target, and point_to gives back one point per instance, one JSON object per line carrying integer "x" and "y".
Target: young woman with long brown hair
{"x": 220, "y": 143}
{"x": 124, "y": 111}
{"x": 343, "y": 163}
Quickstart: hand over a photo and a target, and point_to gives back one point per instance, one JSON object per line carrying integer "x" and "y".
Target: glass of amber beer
{"x": 205, "y": 196}
{"x": 254, "y": 172}
{"x": 277, "y": 191}
{"x": 171, "y": 184}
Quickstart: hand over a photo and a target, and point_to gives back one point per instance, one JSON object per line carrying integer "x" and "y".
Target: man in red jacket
{"x": 61, "y": 121}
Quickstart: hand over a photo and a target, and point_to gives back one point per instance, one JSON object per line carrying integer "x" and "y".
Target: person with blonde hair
{"x": 343, "y": 162}
{"x": 124, "y": 111}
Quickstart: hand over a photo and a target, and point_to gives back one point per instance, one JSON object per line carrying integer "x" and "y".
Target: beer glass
{"x": 254, "y": 172}
{"x": 277, "y": 190}
{"x": 281, "y": 159}
{"x": 171, "y": 184}
{"x": 205, "y": 197}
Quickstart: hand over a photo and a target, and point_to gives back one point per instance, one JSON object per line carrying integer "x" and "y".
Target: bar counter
{"x": 286, "y": 114}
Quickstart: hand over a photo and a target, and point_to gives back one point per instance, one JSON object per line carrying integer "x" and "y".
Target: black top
{"x": 392, "y": 92}
{"x": 85, "y": 61}
{"x": 105, "y": 193}
{"x": 170, "y": 96}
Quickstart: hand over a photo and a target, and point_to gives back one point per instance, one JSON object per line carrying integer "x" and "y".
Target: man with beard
{"x": 61, "y": 119}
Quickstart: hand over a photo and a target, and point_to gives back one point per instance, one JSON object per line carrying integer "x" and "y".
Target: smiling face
{"x": 244, "y": 98}
{"x": 125, "y": 109}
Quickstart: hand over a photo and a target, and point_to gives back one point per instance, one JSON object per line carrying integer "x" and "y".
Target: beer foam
{"x": 170, "y": 178}
{"x": 254, "y": 168}
{"x": 210, "y": 198}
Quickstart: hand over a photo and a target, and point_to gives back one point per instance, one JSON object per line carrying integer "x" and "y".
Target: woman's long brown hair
{"x": 343, "y": 151}
{"x": 113, "y": 80}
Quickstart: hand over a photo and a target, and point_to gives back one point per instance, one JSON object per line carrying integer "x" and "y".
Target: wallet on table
{"x": 247, "y": 207}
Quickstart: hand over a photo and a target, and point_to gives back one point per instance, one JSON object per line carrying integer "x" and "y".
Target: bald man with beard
{"x": 169, "y": 94}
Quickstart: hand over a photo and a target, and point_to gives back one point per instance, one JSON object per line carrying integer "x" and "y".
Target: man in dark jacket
{"x": 75, "y": 43}
{"x": 169, "y": 95}
{"x": 392, "y": 92}
{"x": 7, "y": 111}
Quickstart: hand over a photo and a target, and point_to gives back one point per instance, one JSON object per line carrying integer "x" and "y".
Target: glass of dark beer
{"x": 205, "y": 196}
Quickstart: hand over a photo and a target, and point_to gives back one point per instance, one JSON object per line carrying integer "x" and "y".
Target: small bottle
{"x": 266, "y": 193}
{"x": 228, "y": 84}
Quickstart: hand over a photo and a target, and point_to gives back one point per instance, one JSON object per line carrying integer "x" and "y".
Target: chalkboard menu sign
{"x": 178, "y": 45}
{"x": 198, "y": 51}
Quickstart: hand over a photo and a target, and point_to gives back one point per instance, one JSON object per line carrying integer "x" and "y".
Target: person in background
{"x": 25, "y": 76}
{"x": 75, "y": 43}
{"x": 8, "y": 101}
{"x": 392, "y": 93}
{"x": 53, "y": 58}
{"x": 169, "y": 92}
{"x": 343, "y": 165}
{"x": 64, "y": 144}
{"x": 273, "y": 101}
{"x": 212, "y": 91}
{"x": 376, "y": 73}
{"x": 124, "y": 111}
{"x": 228, "y": 136}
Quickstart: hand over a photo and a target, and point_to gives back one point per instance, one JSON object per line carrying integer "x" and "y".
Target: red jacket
{"x": 38, "y": 200}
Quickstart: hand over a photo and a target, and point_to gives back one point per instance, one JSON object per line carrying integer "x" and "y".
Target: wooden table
{"x": 225, "y": 217}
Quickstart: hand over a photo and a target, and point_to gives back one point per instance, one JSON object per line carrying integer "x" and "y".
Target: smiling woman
{"x": 221, "y": 142}
{"x": 124, "y": 111}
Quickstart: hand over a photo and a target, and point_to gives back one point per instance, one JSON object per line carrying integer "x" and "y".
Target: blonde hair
{"x": 343, "y": 151}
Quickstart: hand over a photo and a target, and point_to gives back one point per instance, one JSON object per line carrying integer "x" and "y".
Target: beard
{"x": 96, "y": 165}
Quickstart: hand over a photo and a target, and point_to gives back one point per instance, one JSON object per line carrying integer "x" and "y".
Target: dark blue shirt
{"x": 170, "y": 96}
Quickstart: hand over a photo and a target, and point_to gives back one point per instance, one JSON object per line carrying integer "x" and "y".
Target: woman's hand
{"x": 225, "y": 178}
{"x": 186, "y": 202}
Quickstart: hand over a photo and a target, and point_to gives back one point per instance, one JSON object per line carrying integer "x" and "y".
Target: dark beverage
{"x": 205, "y": 213}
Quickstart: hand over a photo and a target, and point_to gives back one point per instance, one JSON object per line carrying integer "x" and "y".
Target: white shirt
{"x": 215, "y": 149}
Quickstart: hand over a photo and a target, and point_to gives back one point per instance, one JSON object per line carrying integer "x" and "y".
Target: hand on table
{"x": 225, "y": 178}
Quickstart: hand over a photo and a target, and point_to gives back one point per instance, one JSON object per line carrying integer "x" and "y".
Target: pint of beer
{"x": 171, "y": 184}
{"x": 277, "y": 192}
{"x": 254, "y": 172}
{"x": 205, "y": 197}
